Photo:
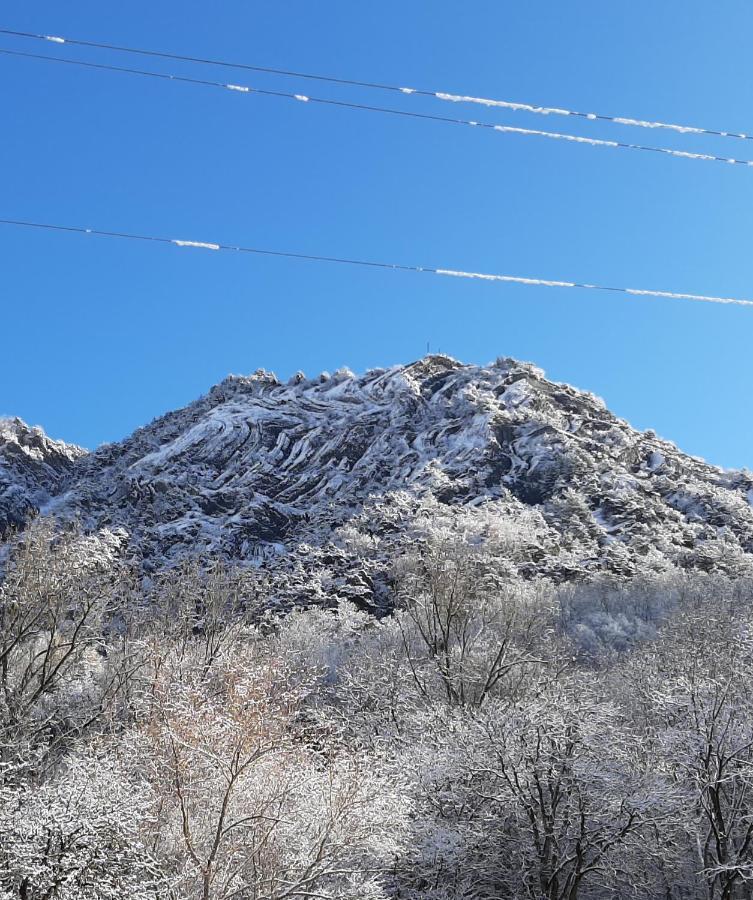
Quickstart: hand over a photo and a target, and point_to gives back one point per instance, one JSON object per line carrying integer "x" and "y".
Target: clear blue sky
{"x": 100, "y": 336}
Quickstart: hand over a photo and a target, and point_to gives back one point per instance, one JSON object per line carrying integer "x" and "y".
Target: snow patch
{"x": 656, "y": 460}
{"x": 201, "y": 244}
{"x": 502, "y": 104}
{"x": 506, "y": 278}
{"x": 701, "y": 297}
{"x": 642, "y": 123}
{"x": 617, "y": 120}
{"x": 555, "y": 135}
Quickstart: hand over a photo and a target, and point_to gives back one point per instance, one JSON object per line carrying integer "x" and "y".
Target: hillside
{"x": 324, "y": 478}
{"x": 467, "y": 607}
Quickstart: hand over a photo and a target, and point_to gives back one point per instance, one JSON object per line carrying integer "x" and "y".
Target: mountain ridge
{"x": 292, "y": 476}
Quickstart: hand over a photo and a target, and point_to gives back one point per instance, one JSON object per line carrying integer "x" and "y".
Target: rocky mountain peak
{"x": 265, "y": 472}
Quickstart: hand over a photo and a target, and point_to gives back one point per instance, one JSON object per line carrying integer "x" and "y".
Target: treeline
{"x": 491, "y": 738}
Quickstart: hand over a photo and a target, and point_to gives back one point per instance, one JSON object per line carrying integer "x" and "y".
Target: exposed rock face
{"x": 322, "y": 479}
{"x": 32, "y": 469}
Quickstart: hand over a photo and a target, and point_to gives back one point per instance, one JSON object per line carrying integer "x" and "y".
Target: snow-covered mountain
{"x": 322, "y": 479}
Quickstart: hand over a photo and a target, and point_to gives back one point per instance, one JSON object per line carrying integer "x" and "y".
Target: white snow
{"x": 656, "y": 460}
{"x": 503, "y": 104}
{"x": 601, "y": 520}
{"x": 54, "y": 39}
{"x": 542, "y": 282}
{"x": 506, "y": 278}
{"x": 642, "y": 123}
{"x": 201, "y": 244}
{"x": 238, "y": 87}
{"x": 302, "y": 97}
{"x": 594, "y": 142}
{"x": 597, "y": 142}
{"x": 701, "y": 297}
{"x": 558, "y": 111}
{"x": 408, "y": 90}
{"x": 685, "y": 155}
{"x": 256, "y": 461}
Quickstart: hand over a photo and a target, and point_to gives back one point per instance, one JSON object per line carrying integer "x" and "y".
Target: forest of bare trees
{"x": 490, "y": 738}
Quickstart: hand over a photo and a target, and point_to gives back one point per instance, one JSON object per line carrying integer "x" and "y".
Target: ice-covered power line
{"x": 372, "y": 85}
{"x": 400, "y": 267}
{"x": 419, "y": 92}
{"x": 503, "y": 129}
{"x": 601, "y": 117}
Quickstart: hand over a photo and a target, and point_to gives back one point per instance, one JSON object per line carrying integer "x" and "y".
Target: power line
{"x": 438, "y": 95}
{"x": 504, "y": 129}
{"x": 430, "y": 270}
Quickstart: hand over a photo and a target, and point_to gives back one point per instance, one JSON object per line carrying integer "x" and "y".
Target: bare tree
{"x": 54, "y": 674}
{"x": 544, "y": 797}
{"x": 464, "y": 625}
{"x": 704, "y": 713}
{"x": 246, "y": 808}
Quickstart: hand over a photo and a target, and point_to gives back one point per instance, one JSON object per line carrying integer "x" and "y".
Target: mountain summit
{"x": 325, "y": 475}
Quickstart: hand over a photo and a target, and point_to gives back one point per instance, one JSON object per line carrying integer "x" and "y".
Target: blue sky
{"x": 99, "y": 336}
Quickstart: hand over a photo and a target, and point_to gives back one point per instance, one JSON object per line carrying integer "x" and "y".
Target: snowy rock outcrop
{"x": 32, "y": 469}
{"x": 322, "y": 480}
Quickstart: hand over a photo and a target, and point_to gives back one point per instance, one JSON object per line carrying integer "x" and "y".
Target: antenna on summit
{"x": 428, "y": 351}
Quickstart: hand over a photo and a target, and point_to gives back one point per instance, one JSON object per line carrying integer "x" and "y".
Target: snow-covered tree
{"x": 248, "y": 806}
{"x": 80, "y": 834}
{"x": 466, "y": 629}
